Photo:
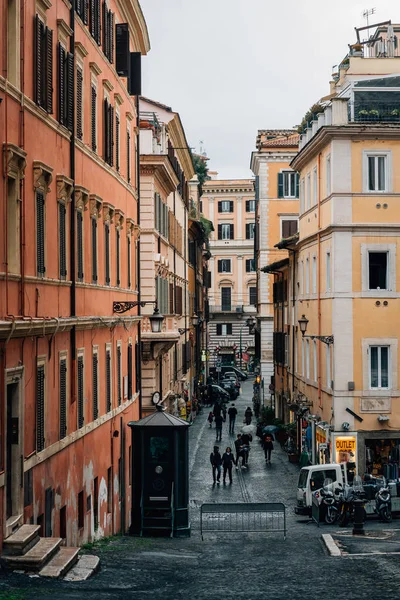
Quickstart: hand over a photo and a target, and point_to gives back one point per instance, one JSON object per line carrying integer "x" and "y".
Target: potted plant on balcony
{"x": 395, "y": 113}
{"x": 374, "y": 114}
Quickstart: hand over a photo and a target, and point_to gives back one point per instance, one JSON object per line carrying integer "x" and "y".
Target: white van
{"x": 311, "y": 479}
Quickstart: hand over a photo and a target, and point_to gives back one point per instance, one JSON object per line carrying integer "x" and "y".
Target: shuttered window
{"x": 94, "y": 20}
{"x": 252, "y": 296}
{"x": 40, "y": 233}
{"x": 43, "y": 61}
{"x": 65, "y": 87}
{"x": 108, "y": 130}
{"x": 94, "y": 117}
{"x": 62, "y": 212}
{"x": 171, "y": 298}
{"x": 95, "y": 382}
{"x": 178, "y": 300}
{"x": 80, "y": 392}
{"x": 94, "y": 250}
{"x": 119, "y": 375}
{"x": 79, "y": 103}
{"x": 250, "y": 265}
{"x": 108, "y": 381}
{"x": 108, "y": 32}
{"x": 250, "y": 231}
{"x": 128, "y": 239}
{"x": 225, "y": 206}
{"x": 130, "y": 368}
{"x": 40, "y": 408}
{"x": 289, "y": 227}
{"x": 63, "y": 397}
{"x": 117, "y": 138}
{"x": 118, "y": 257}
{"x": 107, "y": 252}
{"x": 79, "y": 243}
{"x": 122, "y": 56}
{"x": 82, "y": 9}
{"x": 162, "y": 294}
{"x": 128, "y": 156}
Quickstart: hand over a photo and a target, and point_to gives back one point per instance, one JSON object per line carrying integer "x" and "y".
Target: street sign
{"x": 219, "y": 369}
{"x": 219, "y": 362}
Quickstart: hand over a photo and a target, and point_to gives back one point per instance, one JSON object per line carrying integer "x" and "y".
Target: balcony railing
{"x": 374, "y": 113}
{"x": 231, "y": 308}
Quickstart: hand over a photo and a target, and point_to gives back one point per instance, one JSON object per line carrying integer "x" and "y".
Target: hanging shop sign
{"x": 346, "y": 449}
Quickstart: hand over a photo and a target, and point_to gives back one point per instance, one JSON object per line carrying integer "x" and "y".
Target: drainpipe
{"x": 72, "y": 212}
{"x": 319, "y": 279}
{"x": 139, "y": 346}
{"x": 22, "y": 145}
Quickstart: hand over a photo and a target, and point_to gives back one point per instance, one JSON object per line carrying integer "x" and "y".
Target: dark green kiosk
{"x": 160, "y": 475}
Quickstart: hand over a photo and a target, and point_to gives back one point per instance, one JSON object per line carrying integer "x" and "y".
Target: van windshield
{"x": 303, "y": 478}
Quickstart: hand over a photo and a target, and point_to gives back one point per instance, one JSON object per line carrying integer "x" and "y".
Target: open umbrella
{"x": 270, "y": 429}
{"x": 248, "y": 429}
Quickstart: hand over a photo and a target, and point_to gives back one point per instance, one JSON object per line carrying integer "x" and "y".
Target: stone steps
{"x": 61, "y": 563}
{"x": 36, "y": 557}
{"x": 84, "y": 568}
{"x": 22, "y": 540}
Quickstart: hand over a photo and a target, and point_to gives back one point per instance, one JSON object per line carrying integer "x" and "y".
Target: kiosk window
{"x": 159, "y": 449}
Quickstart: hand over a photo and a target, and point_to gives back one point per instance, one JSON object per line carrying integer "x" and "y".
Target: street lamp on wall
{"x": 155, "y": 319}
{"x": 325, "y": 339}
{"x": 196, "y": 320}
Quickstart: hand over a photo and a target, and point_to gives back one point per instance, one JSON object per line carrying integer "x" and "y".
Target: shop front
{"x": 323, "y": 446}
{"x": 382, "y": 453}
{"x": 227, "y": 355}
{"x": 345, "y": 451}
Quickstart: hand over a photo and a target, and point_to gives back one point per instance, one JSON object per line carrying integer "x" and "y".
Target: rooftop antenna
{"x": 366, "y": 14}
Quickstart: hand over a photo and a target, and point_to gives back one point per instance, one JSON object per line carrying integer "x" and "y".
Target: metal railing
{"x": 251, "y": 517}
{"x": 374, "y": 113}
{"x": 236, "y": 308}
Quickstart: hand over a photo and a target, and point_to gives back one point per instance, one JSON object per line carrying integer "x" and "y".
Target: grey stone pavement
{"x": 232, "y": 566}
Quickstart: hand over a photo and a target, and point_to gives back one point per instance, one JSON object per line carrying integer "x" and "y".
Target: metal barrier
{"x": 315, "y": 509}
{"x": 257, "y": 517}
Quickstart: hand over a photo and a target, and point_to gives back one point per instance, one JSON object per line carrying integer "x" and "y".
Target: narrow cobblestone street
{"x": 225, "y": 566}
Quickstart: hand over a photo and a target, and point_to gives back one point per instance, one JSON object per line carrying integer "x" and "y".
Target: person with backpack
{"x": 239, "y": 449}
{"x": 247, "y": 415}
{"x": 268, "y": 447}
{"x": 246, "y": 439}
{"x": 216, "y": 463}
{"x": 227, "y": 463}
{"x": 232, "y": 412}
{"x": 218, "y": 426}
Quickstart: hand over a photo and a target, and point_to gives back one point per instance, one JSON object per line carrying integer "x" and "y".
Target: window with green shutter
{"x": 94, "y": 20}
{"x": 79, "y": 103}
{"x": 108, "y": 32}
{"x": 65, "y": 87}
{"x": 93, "y": 101}
{"x": 81, "y": 419}
{"x": 63, "y": 397}
{"x": 117, "y": 139}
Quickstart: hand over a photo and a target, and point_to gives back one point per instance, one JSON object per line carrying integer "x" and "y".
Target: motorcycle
{"x": 383, "y": 501}
{"x": 331, "y": 501}
{"x": 347, "y": 495}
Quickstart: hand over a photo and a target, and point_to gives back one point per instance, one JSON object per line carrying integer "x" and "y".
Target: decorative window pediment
{"x": 95, "y": 204}
{"x": 65, "y": 187}
{"x": 42, "y": 176}
{"x": 108, "y": 212}
{"x": 81, "y": 198}
{"x": 14, "y": 161}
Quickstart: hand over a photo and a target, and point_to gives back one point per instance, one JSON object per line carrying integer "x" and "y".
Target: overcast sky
{"x": 231, "y": 67}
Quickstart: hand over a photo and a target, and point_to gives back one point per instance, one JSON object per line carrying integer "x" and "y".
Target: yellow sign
{"x": 346, "y": 449}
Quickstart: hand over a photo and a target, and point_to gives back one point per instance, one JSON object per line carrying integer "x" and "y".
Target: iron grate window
{"x": 95, "y": 374}
{"x": 63, "y": 398}
{"x": 40, "y": 233}
{"x": 119, "y": 375}
{"x": 79, "y": 243}
{"x": 81, "y": 419}
{"x": 94, "y": 250}
{"x": 108, "y": 381}
{"x": 130, "y": 368}
{"x": 62, "y": 212}
{"x": 107, "y": 251}
{"x": 40, "y": 408}
{"x": 43, "y": 61}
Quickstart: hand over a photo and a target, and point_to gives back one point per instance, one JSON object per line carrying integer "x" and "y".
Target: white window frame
{"x": 223, "y": 203}
{"x": 314, "y": 274}
{"x": 225, "y": 227}
{"x": 392, "y": 344}
{"x": 391, "y": 250}
{"x": 230, "y": 265}
{"x": 315, "y": 360}
{"x": 251, "y": 231}
{"x": 388, "y": 171}
{"x": 315, "y": 187}
{"x": 287, "y": 174}
{"x": 307, "y": 276}
{"x": 328, "y": 175}
{"x": 252, "y": 203}
{"x": 308, "y": 206}
{"x": 328, "y": 276}
{"x": 379, "y": 386}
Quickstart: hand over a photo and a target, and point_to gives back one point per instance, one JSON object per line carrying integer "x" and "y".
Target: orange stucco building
{"x": 69, "y": 206}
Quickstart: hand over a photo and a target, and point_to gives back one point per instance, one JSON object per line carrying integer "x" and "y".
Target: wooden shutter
{"x": 80, "y": 392}
{"x": 232, "y": 233}
{"x": 108, "y": 381}
{"x": 117, "y": 142}
{"x": 62, "y": 211}
{"x": 219, "y": 329}
{"x": 105, "y": 28}
{"x": 40, "y": 408}
{"x": 94, "y": 250}
{"x": 231, "y": 206}
{"x": 219, "y": 206}
{"x": 247, "y": 205}
{"x": 111, "y": 135}
{"x": 63, "y": 398}
{"x": 38, "y": 60}
{"x": 40, "y": 233}
{"x": 128, "y": 156}
{"x": 117, "y": 255}
{"x": 171, "y": 299}
{"x": 92, "y": 18}
{"x": 93, "y": 116}
{"x": 79, "y": 243}
{"x": 70, "y": 93}
{"x": 95, "y": 373}
{"x": 85, "y": 11}
{"x": 107, "y": 252}
{"x": 106, "y": 132}
{"x": 49, "y": 70}
{"x": 111, "y": 25}
{"x": 97, "y": 24}
{"x": 135, "y": 74}
{"x": 119, "y": 375}
{"x": 297, "y": 178}
{"x": 220, "y": 232}
{"x": 229, "y": 329}
{"x": 122, "y": 56}
{"x": 129, "y": 261}
{"x": 280, "y": 185}
{"x": 79, "y": 103}
{"x": 130, "y": 368}
{"x": 78, "y": 6}
{"x": 61, "y": 83}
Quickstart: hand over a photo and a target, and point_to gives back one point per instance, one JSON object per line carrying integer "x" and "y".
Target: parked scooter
{"x": 383, "y": 501}
{"x": 348, "y": 494}
{"x": 331, "y": 501}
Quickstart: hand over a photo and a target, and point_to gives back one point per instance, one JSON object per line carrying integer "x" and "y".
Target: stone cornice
{"x": 80, "y": 50}
{"x": 108, "y": 85}
{"x": 95, "y": 204}
{"x": 81, "y": 197}
{"x": 42, "y": 176}
{"x": 14, "y": 161}
{"x": 356, "y": 131}
{"x": 119, "y": 218}
{"x": 64, "y": 29}
{"x": 159, "y": 165}
{"x": 95, "y": 68}
{"x": 108, "y": 212}
{"x": 132, "y": 13}
{"x": 65, "y": 187}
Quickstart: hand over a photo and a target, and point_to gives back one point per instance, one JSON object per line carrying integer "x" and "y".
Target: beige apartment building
{"x": 277, "y": 208}
{"x": 230, "y": 205}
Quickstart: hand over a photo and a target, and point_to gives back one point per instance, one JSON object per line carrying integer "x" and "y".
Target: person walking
{"x": 216, "y": 462}
{"x": 268, "y": 447}
{"x": 247, "y": 415}
{"x": 239, "y": 449}
{"x": 210, "y": 418}
{"x": 232, "y": 412}
{"x": 227, "y": 463}
{"x": 246, "y": 439}
{"x": 218, "y": 426}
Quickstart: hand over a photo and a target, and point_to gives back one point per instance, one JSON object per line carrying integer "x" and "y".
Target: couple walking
{"x": 225, "y": 462}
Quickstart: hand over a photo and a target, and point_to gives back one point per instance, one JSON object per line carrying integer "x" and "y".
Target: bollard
{"x": 359, "y": 513}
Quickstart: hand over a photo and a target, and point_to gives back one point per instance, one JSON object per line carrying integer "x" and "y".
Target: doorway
{"x": 14, "y": 453}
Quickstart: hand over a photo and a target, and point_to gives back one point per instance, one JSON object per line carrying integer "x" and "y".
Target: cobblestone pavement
{"x": 241, "y": 566}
